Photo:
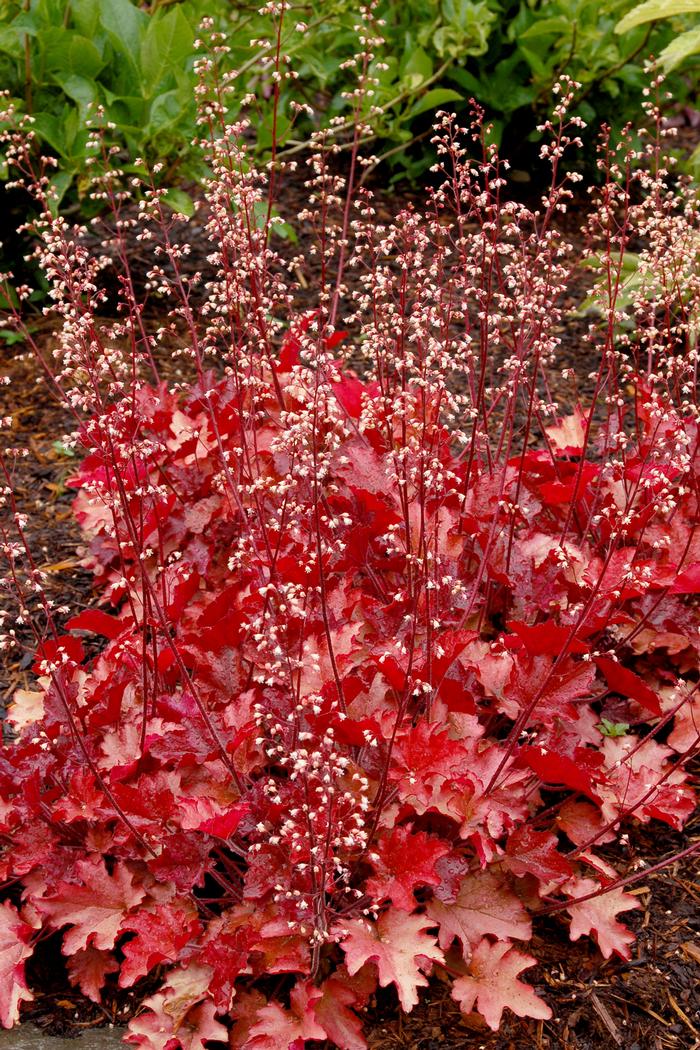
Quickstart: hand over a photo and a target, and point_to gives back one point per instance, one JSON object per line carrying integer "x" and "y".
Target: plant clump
{"x": 364, "y": 631}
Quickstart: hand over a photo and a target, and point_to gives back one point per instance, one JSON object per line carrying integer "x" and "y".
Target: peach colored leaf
{"x": 486, "y": 903}
{"x": 393, "y": 944}
{"x": 492, "y": 983}
{"x": 596, "y": 917}
{"x": 198, "y": 1026}
{"x": 335, "y": 1010}
{"x": 280, "y": 1029}
{"x": 244, "y": 1014}
{"x": 89, "y": 968}
{"x": 568, "y": 435}
{"x": 178, "y": 1011}
{"x": 686, "y": 725}
{"x": 581, "y": 821}
{"x": 14, "y": 949}
{"x": 94, "y": 909}
{"x": 27, "y": 706}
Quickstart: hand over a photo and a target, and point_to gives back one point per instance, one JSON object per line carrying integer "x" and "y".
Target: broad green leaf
{"x": 60, "y": 183}
{"x": 51, "y": 12}
{"x": 652, "y": 10}
{"x": 694, "y": 160}
{"x": 179, "y": 201}
{"x": 69, "y": 53}
{"x": 129, "y": 113}
{"x": 277, "y": 228}
{"x": 8, "y": 298}
{"x": 59, "y": 132}
{"x": 678, "y": 50}
{"x": 81, "y": 90}
{"x": 548, "y": 27}
{"x": 125, "y": 25}
{"x": 468, "y": 81}
{"x": 419, "y": 65}
{"x": 467, "y": 29}
{"x": 26, "y": 23}
{"x": 49, "y": 129}
{"x": 8, "y": 336}
{"x": 433, "y": 99}
{"x": 69, "y": 129}
{"x": 86, "y": 16}
{"x": 535, "y": 63}
{"x": 165, "y": 111}
{"x": 10, "y": 42}
{"x": 167, "y": 44}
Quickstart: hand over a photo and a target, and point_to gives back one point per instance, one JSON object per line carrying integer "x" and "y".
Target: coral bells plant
{"x": 385, "y": 662}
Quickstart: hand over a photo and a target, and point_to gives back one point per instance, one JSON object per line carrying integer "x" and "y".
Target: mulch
{"x": 649, "y": 1003}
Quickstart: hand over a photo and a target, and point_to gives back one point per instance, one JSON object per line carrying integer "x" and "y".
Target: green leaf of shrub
{"x": 433, "y": 99}
{"x": 10, "y": 42}
{"x": 86, "y": 16}
{"x": 678, "y": 50}
{"x": 180, "y": 202}
{"x": 125, "y": 26}
{"x": 69, "y": 53}
{"x": 652, "y": 10}
{"x": 166, "y": 110}
{"x": 80, "y": 89}
{"x": 167, "y": 43}
{"x": 419, "y": 65}
{"x": 49, "y": 129}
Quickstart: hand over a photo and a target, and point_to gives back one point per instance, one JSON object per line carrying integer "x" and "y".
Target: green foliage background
{"x": 60, "y": 59}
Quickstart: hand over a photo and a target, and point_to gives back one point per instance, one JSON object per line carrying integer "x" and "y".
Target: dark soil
{"x": 649, "y": 1003}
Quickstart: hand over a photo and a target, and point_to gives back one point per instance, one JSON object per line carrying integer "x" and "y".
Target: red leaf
{"x": 280, "y": 1029}
{"x": 402, "y": 861}
{"x": 597, "y": 916}
{"x": 226, "y": 950}
{"x": 486, "y": 904}
{"x": 688, "y": 582}
{"x": 493, "y": 984}
{"x": 161, "y": 934}
{"x": 179, "y": 1014}
{"x": 621, "y": 680}
{"x": 67, "y": 648}
{"x": 393, "y": 944}
{"x": 545, "y": 639}
{"x": 89, "y": 969}
{"x": 225, "y": 824}
{"x": 15, "y": 935}
{"x": 554, "y": 768}
{"x": 554, "y": 692}
{"x": 341, "y": 995}
{"x": 581, "y": 822}
{"x": 530, "y": 852}
{"x": 97, "y": 622}
{"x": 95, "y": 908}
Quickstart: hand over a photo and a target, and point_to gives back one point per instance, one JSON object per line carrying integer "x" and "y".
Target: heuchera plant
{"x": 364, "y": 632}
